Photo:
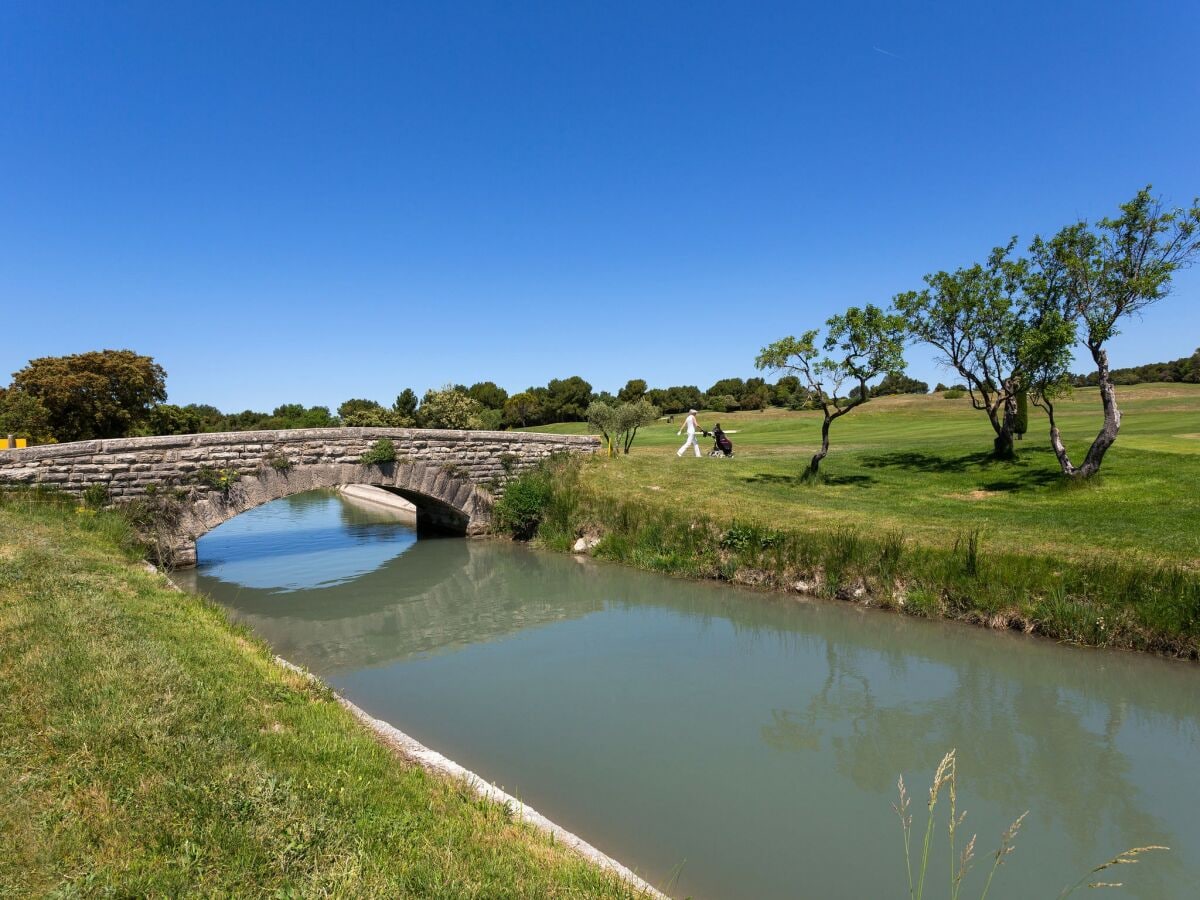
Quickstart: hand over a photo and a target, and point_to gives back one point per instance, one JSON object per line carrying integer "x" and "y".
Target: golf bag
{"x": 722, "y": 445}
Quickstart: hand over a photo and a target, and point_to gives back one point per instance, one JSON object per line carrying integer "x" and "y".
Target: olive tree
{"x": 860, "y": 345}
{"x": 1096, "y": 277}
{"x": 618, "y": 423}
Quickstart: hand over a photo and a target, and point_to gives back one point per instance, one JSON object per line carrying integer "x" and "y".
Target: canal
{"x": 721, "y": 742}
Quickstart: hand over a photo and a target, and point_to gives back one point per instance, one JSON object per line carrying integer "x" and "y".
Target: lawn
{"x": 149, "y": 748}
{"x": 920, "y": 466}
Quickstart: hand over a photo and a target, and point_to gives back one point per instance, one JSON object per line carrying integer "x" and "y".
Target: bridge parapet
{"x": 451, "y": 476}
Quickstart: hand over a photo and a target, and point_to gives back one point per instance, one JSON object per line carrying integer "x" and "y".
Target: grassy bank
{"x": 913, "y": 515}
{"x": 148, "y": 747}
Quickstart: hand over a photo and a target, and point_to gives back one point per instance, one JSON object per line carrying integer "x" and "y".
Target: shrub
{"x": 95, "y": 496}
{"x": 380, "y": 452}
{"x": 953, "y": 393}
{"x": 521, "y": 510}
{"x": 279, "y": 463}
{"x": 218, "y": 479}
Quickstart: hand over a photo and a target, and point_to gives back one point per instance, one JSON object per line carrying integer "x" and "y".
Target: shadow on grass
{"x": 1017, "y": 474}
{"x": 803, "y": 479}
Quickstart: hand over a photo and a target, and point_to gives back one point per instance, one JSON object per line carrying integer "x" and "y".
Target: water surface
{"x": 726, "y": 743}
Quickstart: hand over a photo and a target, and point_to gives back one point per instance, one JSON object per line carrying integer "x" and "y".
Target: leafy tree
{"x": 167, "y": 418}
{"x": 404, "y": 410}
{"x": 297, "y": 415}
{"x": 567, "y": 399}
{"x": 734, "y": 387}
{"x": 1098, "y": 277}
{"x": 350, "y": 407}
{"x": 522, "y": 410}
{"x": 369, "y": 417}
{"x": 784, "y": 390}
{"x": 635, "y": 389}
{"x": 488, "y": 394}
{"x": 899, "y": 384}
{"x": 23, "y": 415}
{"x": 618, "y": 423}
{"x": 100, "y": 394}
{"x": 726, "y": 403}
{"x": 860, "y": 345}
{"x": 211, "y": 418}
{"x": 450, "y": 408}
{"x": 980, "y": 320}
{"x": 676, "y": 399}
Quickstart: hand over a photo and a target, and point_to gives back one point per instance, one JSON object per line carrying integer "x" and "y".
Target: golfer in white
{"x": 691, "y": 426}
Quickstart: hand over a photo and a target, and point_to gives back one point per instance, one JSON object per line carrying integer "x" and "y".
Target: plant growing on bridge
{"x": 221, "y": 480}
{"x": 860, "y": 345}
{"x": 279, "y": 462}
{"x": 379, "y": 453}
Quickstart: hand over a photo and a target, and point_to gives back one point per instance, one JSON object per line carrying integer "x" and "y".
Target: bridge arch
{"x": 446, "y": 502}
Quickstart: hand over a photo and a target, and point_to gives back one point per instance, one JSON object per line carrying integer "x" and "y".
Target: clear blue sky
{"x": 308, "y": 202}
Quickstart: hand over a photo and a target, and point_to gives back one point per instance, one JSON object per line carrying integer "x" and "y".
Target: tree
{"x": 297, "y": 415}
{"x": 899, "y": 384}
{"x": 567, "y": 399}
{"x": 860, "y": 345}
{"x": 167, "y": 418}
{"x": 100, "y": 394}
{"x": 522, "y": 409}
{"x": 635, "y": 389}
{"x": 618, "y": 423}
{"x": 1021, "y": 422}
{"x": 23, "y": 415}
{"x": 1099, "y": 276}
{"x": 488, "y": 394}
{"x": 404, "y": 410}
{"x": 980, "y": 320}
{"x": 450, "y": 408}
{"x": 350, "y": 407}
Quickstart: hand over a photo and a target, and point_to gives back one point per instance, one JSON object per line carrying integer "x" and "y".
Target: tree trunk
{"x": 824, "y": 451}
{"x": 1108, "y": 431}
{"x": 1003, "y": 418}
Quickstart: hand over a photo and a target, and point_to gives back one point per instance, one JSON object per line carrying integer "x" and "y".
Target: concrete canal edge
{"x": 432, "y": 761}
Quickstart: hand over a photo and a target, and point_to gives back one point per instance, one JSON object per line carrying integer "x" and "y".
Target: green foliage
{"x": 381, "y": 452}
{"x": 450, "y": 408}
{"x": 404, "y": 410}
{"x": 1021, "y": 421}
{"x": 488, "y": 395}
{"x": 520, "y": 510}
{"x": 567, "y": 399}
{"x": 369, "y": 408}
{"x": 635, "y": 389}
{"x": 954, "y": 393}
{"x": 1185, "y": 370}
{"x": 860, "y": 345}
{"x": 522, "y": 410}
{"x": 899, "y": 383}
{"x": 619, "y": 423}
{"x": 167, "y": 418}
{"x": 23, "y": 415}
{"x": 99, "y": 394}
{"x": 95, "y": 496}
{"x": 221, "y": 480}
{"x": 279, "y": 462}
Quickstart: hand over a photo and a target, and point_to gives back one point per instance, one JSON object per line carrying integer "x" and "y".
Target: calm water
{"x": 725, "y": 743}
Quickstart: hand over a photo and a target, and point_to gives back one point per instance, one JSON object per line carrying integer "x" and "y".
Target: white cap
{"x": 692, "y": 411}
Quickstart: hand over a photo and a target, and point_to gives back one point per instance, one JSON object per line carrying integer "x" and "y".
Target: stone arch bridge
{"x": 452, "y": 477}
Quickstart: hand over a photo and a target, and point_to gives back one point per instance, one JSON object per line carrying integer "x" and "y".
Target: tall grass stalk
{"x": 946, "y": 776}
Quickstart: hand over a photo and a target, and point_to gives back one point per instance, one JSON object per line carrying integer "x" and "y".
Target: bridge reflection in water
{"x": 754, "y": 739}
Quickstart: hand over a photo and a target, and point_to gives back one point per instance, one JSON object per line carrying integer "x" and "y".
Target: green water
{"x": 726, "y": 743}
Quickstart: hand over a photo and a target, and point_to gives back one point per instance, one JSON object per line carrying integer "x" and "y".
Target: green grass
{"x": 912, "y": 514}
{"x": 148, "y": 747}
{"x": 920, "y": 465}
